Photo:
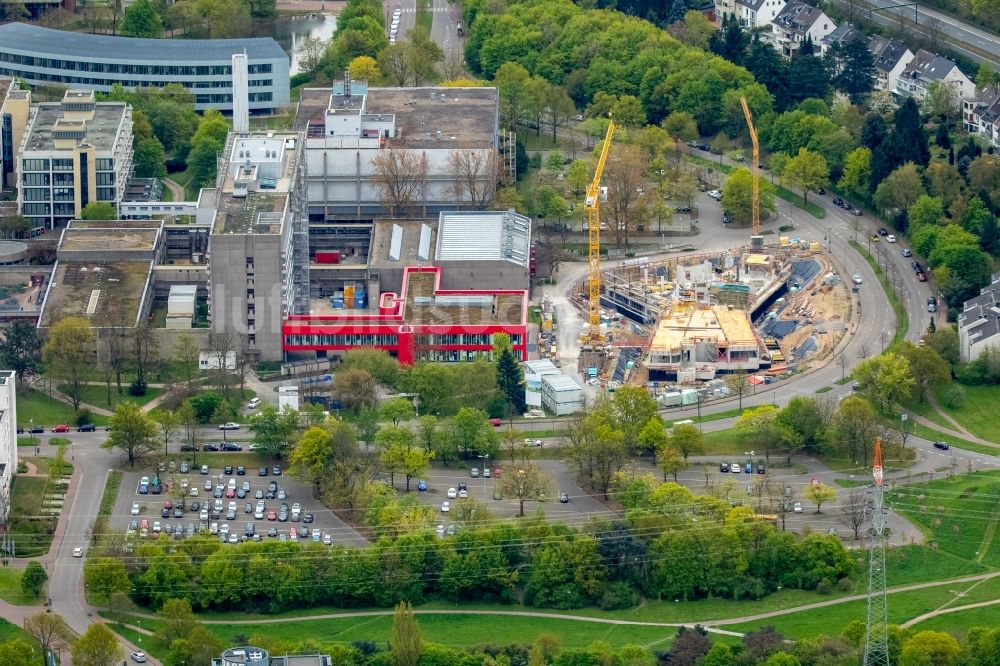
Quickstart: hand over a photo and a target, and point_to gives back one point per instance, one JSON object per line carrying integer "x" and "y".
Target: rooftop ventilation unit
{"x": 396, "y": 243}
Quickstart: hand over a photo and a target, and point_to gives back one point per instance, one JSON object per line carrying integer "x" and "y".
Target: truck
{"x": 461, "y": 32}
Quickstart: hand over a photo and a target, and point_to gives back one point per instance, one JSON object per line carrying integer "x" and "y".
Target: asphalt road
{"x": 973, "y": 42}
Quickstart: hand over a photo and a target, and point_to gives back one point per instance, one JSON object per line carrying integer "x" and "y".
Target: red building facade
{"x": 423, "y": 322}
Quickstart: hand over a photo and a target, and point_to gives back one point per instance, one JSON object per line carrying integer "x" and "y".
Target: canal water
{"x": 290, "y": 32}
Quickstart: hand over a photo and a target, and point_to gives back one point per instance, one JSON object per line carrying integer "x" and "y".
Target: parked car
{"x": 734, "y": 468}
{"x": 797, "y": 507}
{"x": 496, "y": 423}
{"x": 487, "y": 473}
{"x": 723, "y": 467}
{"x": 210, "y": 447}
{"x": 883, "y": 231}
{"x": 445, "y": 507}
{"x": 474, "y": 472}
{"x": 890, "y": 239}
{"x": 856, "y": 278}
{"x": 921, "y": 277}
{"x": 62, "y": 427}
{"x": 932, "y": 304}
{"x": 276, "y": 470}
{"x": 227, "y": 470}
{"x": 837, "y": 201}
{"x": 907, "y": 253}
{"x": 715, "y": 194}
{"x": 231, "y": 425}
{"x": 421, "y": 485}
{"x": 874, "y": 238}
{"x": 87, "y": 427}
{"x": 532, "y": 442}
{"x": 760, "y": 468}
{"x": 229, "y": 446}
{"x": 36, "y": 430}
{"x": 254, "y": 403}
{"x": 452, "y": 493}
{"x": 135, "y": 509}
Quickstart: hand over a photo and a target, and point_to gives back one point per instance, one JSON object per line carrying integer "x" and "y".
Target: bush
{"x": 205, "y": 404}
{"x": 617, "y": 596}
{"x": 824, "y": 587}
{"x": 137, "y": 388}
{"x": 84, "y": 416}
{"x": 954, "y": 397}
{"x": 845, "y": 585}
{"x": 300, "y": 79}
{"x": 536, "y": 161}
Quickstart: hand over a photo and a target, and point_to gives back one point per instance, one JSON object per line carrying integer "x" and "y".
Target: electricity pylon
{"x": 877, "y": 622}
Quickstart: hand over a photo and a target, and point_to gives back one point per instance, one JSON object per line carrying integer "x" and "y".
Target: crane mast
{"x": 592, "y": 205}
{"x": 755, "y": 169}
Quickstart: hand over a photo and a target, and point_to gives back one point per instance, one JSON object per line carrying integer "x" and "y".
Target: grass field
{"x": 921, "y": 430}
{"x": 976, "y": 414}
{"x": 10, "y": 631}
{"x": 960, "y": 621}
{"x": 46, "y": 411}
{"x": 902, "y": 317}
{"x": 10, "y": 587}
{"x": 97, "y": 395}
{"x": 34, "y": 534}
{"x": 960, "y": 514}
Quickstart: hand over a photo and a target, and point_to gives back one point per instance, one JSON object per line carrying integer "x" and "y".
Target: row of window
{"x": 128, "y": 83}
{"x": 47, "y": 194}
{"x": 49, "y": 209}
{"x": 61, "y": 164}
{"x": 452, "y": 356}
{"x": 224, "y": 99}
{"x": 123, "y": 68}
{"x": 348, "y": 340}
{"x": 455, "y": 339}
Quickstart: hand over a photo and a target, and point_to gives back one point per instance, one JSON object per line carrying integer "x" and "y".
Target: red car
{"x": 62, "y": 427}
{"x": 272, "y": 515}
{"x": 922, "y": 277}
{"x": 496, "y": 423}
{"x": 230, "y": 493}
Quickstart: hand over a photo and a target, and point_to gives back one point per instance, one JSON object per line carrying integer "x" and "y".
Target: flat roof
{"x": 108, "y": 240}
{"x": 504, "y": 308}
{"x": 468, "y": 118}
{"x": 718, "y": 324}
{"x": 409, "y": 245}
{"x": 101, "y": 130}
{"x": 106, "y": 293}
{"x": 52, "y": 43}
{"x": 483, "y": 236}
{"x": 561, "y": 382}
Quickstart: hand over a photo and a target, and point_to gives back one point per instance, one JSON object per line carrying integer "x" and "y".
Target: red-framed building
{"x": 422, "y": 322}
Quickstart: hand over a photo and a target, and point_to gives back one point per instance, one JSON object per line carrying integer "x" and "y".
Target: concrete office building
{"x": 252, "y": 269}
{"x": 399, "y": 152}
{"x": 96, "y": 62}
{"x": 15, "y": 105}
{"x": 73, "y": 152}
{"x": 8, "y": 433}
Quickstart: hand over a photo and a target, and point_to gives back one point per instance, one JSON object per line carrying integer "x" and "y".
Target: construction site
{"x": 765, "y": 311}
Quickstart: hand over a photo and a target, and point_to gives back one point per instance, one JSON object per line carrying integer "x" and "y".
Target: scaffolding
{"x": 507, "y": 145}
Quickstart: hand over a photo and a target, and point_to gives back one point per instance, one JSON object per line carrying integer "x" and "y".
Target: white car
{"x": 229, "y": 426}
{"x": 327, "y": 539}
{"x": 856, "y": 279}
{"x": 797, "y": 507}
{"x": 203, "y": 515}
{"x": 890, "y": 239}
{"x": 487, "y": 473}
{"x": 445, "y": 507}
{"x": 715, "y": 194}
{"x": 78, "y": 551}
{"x": 194, "y": 492}
{"x": 224, "y": 529}
{"x": 452, "y": 493}
{"x": 138, "y": 657}
{"x": 213, "y": 528}
{"x": 532, "y": 442}
{"x": 258, "y": 514}
{"x": 463, "y": 494}
{"x": 253, "y": 404}
{"x": 135, "y": 509}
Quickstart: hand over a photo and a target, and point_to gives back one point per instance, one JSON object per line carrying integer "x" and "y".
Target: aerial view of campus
{"x": 499, "y": 333}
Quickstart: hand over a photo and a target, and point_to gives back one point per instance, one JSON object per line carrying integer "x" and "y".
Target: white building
{"x": 288, "y": 397}
{"x": 794, "y": 23}
{"x": 561, "y": 395}
{"x": 981, "y": 114}
{"x": 533, "y": 373}
{"x": 8, "y": 433}
{"x": 891, "y": 58}
{"x": 924, "y": 69}
{"x": 752, "y": 14}
{"x": 73, "y": 153}
{"x": 404, "y": 152}
{"x": 979, "y": 322}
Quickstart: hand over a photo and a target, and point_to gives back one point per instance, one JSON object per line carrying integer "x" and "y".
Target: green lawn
{"x": 34, "y": 533}
{"x": 44, "y": 410}
{"x": 977, "y": 412}
{"x": 921, "y": 430}
{"x": 10, "y": 587}
{"x": 960, "y": 621}
{"x": 902, "y": 317}
{"x": 10, "y": 631}
{"x": 97, "y": 395}
{"x": 960, "y": 514}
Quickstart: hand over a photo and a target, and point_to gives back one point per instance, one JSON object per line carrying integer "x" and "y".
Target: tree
{"x": 930, "y": 647}
{"x": 354, "y": 388}
{"x": 888, "y": 378}
{"x": 687, "y": 439}
{"x": 806, "y": 171}
{"x": 737, "y": 196}
{"x": 856, "y": 425}
{"x": 176, "y": 620}
{"x": 186, "y": 355}
{"x": 168, "y": 423}
{"x": 133, "y": 432}
{"x": 67, "y": 353}
{"x": 199, "y": 646}
{"x": 528, "y": 484}
{"x": 364, "y": 68}
{"x": 33, "y": 579}
{"x": 670, "y": 461}
{"x": 985, "y": 75}
{"x": 940, "y": 102}
{"x": 396, "y": 410}
{"x": 857, "y": 173}
{"x": 150, "y": 159}
{"x": 854, "y": 511}
{"x": 97, "y": 647}
{"x": 819, "y": 494}
{"x": 273, "y": 430}
{"x": 739, "y": 386}
{"x": 312, "y": 455}
{"x": 624, "y": 176}
{"x": 406, "y": 646}
{"x": 208, "y": 140}
{"x": 759, "y": 425}
{"x": 900, "y": 189}
{"x": 510, "y": 377}
{"x": 14, "y": 225}
{"x": 926, "y": 366}
{"x": 377, "y": 362}
{"x": 477, "y": 175}
{"x": 20, "y": 348}
{"x": 51, "y": 631}
{"x": 99, "y": 210}
{"x": 105, "y": 576}
{"x": 400, "y": 177}
{"x": 596, "y": 449}
{"x": 855, "y": 67}
{"x": 141, "y": 20}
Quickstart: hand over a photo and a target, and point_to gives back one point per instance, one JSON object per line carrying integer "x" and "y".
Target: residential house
{"x": 981, "y": 114}
{"x": 843, "y": 34}
{"x": 925, "y": 69}
{"x": 794, "y": 23}
{"x": 891, "y": 58}
{"x": 979, "y": 322}
{"x": 752, "y": 14}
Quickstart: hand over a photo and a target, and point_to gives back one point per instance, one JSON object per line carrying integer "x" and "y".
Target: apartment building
{"x": 924, "y": 69}
{"x": 794, "y": 24}
{"x": 981, "y": 114}
{"x": 74, "y": 152}
{"x": 891, "y": 58}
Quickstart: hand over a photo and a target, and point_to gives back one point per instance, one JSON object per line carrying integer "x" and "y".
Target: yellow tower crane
{"x": 755, "y": 168}
{"x": 595, "y": 195}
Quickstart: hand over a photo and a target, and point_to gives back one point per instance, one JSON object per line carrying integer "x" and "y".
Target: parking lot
{"x": 221, "y": 500}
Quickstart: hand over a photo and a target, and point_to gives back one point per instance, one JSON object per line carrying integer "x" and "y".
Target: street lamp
{"x": 31, "y": 429}
{"x": 486, "y": 461}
